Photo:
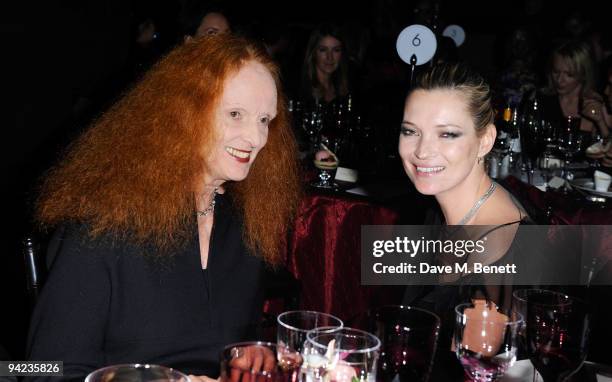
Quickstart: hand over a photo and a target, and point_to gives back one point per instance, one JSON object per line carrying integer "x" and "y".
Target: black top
{"x": 107, "y": 303}
{"x": 442, "y": 298}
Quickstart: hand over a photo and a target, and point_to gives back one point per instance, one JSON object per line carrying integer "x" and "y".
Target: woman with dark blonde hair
{"x": 325, "y": 74}
{"x": 572, "y": 92}
{"x": 165, "y": 215}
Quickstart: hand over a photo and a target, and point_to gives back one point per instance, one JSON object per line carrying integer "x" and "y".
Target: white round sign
{"x": 456, "y": 33}
{"x": 418, "y": 40}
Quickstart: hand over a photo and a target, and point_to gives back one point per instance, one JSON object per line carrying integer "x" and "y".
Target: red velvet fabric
{"x": 563, "y": 209}
{"x": 566, "y": 209}
{"x": 324, "y": 255}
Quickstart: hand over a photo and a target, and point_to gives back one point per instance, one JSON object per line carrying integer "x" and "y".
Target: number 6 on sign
{"x": 418, "y": 40}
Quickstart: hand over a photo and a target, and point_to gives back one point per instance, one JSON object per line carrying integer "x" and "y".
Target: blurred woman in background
{"x": 325, "y": 76}
{"x": 571, "y": 89}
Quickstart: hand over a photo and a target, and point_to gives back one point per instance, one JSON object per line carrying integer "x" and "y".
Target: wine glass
{"x": 312, "y": 123}
{"x": 531, "y": 144}
{"x": 255, "y": 361}
{"x": 293, "y": 327}
{"x": 327, "y": 165}
{"x": 570, "y": 141}
{"x": 519, "y": 309}
{"x": 344, "y": 355}
{"x": 136, "y": 372}
{"x": 557, "y": 334}
{"x": 408, "y": 338}
{"x": 485, "y": 340}
{"x": 549, "y": 137}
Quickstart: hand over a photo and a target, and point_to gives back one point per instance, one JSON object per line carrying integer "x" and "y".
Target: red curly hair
{"x": 133, "y": 173}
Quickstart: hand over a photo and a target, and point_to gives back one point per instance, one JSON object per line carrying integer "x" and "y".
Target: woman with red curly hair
{"x": 169, "y": 206}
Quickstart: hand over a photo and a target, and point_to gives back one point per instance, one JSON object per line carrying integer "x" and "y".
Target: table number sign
{"x": 418, "y": 41}
{"x": 456, "y": 33}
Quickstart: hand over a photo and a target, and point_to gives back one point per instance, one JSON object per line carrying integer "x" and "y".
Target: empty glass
{"x": 136, "y": 372}
{"x": 570, "y": 141}
{"x": 312, "y": 123}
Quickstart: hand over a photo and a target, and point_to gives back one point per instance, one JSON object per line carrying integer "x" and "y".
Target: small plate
{"x": 587, "y": 184}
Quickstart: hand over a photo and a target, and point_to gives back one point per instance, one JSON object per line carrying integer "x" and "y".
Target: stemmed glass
{"x": 570, "y": 142}
{"x": 532, "y": 145}
{"x": 312, "y": 123}
{"x": 408, "y": 338}
{"x": 485, "y": 340}
{"x": 136, "y": 372}
{"x": 557, "y": 333}
{"x": 344, "y": 355}
{"x": 549, "y": 137}
{"x": 292, "y": 330}
{"x": 328, "y": 165}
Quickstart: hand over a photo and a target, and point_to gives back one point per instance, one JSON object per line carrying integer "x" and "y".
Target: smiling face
{"x": 438, "y": 143}
{"x": 328, "y": 54}
{"x": 247, "y": 106}
{"x": 564, "y": 76}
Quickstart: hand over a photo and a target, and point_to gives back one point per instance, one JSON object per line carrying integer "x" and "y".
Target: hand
{"x": 250, "y": 359}
{"x": 593, "y": 109}
{"x": 201, "y": 378}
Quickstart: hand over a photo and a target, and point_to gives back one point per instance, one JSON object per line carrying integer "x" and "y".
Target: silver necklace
{"x": 478, "y": 204}
{"x": 211, "y": 206}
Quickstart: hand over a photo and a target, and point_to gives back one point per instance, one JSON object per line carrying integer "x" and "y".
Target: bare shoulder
{"x": 500, "y": 209}
{"x": 502, "y": 216}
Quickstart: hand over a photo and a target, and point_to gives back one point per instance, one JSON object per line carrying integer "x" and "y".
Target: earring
{"x": 479, "y": 161}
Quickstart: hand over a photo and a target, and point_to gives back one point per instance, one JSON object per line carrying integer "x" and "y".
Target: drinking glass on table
{"x": 519, "y": 308}
{"x": 312, "y": 123}
{"x": 293, "y": 327}
{"x": 326, "y": 161}
{"x": 408, "y": 337}
{"x": 344, "y": 355}
{"x": 136, "y": 372}
{"x": 253, "y": 361}
{"x": 570, "y": 141}
{"x": 557, "y": 334}
{"x": 485, "y": 340}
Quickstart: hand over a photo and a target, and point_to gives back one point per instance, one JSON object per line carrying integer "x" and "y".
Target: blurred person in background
{"x": 571, "y": 90}
{"x": 607, "y": 109}
{"x": 199, "y": 20}
{"x": 519, "y": 78}
{"x": 325, "y": 72}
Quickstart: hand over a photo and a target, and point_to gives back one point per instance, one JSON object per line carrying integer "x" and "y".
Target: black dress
{"x": 106, "y": 302}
